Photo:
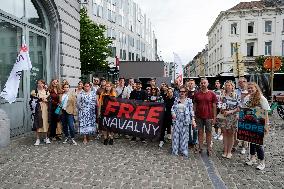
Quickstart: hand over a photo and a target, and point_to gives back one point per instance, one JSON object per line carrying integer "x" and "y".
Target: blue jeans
{"x": 67, "y": 121}
{"x": 193, "y": 136}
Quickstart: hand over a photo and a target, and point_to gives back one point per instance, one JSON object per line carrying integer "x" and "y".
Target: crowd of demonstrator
{"x": 191, "y": 112}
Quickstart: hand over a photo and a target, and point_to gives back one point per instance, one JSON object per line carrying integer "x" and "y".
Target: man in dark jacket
{"x": 138, "y": 94}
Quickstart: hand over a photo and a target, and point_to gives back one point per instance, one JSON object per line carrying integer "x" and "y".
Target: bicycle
{"x": 279, "y": 105}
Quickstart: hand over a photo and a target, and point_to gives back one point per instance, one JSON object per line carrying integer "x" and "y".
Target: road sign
{"x": 268, "y": 63}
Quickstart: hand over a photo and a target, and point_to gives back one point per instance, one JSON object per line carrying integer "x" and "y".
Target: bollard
{"x": 4, "y": 129}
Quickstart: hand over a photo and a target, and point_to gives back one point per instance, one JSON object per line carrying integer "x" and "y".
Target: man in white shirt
{"x": 131, "y": 84}
{"x": 121, "y": 90}
{"x": 96, "y": 82}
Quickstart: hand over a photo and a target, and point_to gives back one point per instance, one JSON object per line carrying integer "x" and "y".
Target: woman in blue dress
{"x": 183, "y": 116}
{"x": 86, "y": 102}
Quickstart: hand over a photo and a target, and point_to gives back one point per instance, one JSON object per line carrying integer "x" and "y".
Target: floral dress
{"x": 229, "y": 102}
{"x": 87, "y": 112}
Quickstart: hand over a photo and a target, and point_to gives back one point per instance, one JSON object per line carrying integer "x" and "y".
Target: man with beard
{"x": 205, "y": 112}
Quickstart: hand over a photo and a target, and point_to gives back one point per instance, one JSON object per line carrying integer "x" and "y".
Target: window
{"x": 34, "y": 15}
{"x": 221, "y": 51}
{"x": 250, "y": 49}
{"x": 38, "y": 57}
{"x": 234, "y": 28}
{"x": 268, "y": 26}
{"x": 8, "y": 54}
{"x": 283, "y": 25}
{"x": 14, "y": 7}
{"x": 232, "y": 49}
{"x": 250, "y": 27}
{"x": 267, "y": 48}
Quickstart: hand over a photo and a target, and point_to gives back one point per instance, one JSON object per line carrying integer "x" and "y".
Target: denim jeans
{"x": 67, "y": 121}
{"x": 257, "y": 149}
{"x": 193, "y": 135}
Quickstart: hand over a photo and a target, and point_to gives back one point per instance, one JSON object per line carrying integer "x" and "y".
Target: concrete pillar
{"x": 4, "y": 129}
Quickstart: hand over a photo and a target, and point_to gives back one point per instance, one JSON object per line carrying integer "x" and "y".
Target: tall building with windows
{"x": 131, "y": 29}
{"x": 257, "y": 26}
{"x": 51, "y": 29}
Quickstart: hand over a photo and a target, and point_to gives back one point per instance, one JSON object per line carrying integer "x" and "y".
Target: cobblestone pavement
{"x": 135, "y": 165}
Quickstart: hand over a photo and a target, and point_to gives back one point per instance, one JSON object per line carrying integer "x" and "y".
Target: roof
{"x": 248, "y": 5}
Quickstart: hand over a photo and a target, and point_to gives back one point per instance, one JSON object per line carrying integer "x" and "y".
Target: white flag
{"x": 178, "y": 68}
{"x": 11, "y": 88}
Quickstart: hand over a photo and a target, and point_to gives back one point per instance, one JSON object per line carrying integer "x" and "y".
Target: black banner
{"x": 135, "y": 118}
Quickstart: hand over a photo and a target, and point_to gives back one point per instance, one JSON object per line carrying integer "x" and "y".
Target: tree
{"x": 93, "y": 45}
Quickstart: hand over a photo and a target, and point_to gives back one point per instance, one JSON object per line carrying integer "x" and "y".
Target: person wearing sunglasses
{"x": 183, "y": 116}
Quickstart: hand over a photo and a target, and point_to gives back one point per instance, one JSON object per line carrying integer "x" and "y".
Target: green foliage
{"x": 93, "y": 45}
{"x": 260, "y": 68}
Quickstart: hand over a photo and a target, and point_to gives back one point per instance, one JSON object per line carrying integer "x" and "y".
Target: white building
{"x": 258, "y": 27}
{"x": 130, "y": 29}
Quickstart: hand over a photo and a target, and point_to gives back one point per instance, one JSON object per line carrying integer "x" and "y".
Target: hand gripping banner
{"x": 135, "y": 118}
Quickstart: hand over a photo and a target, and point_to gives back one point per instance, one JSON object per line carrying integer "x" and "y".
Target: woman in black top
{"x": 169, "y": 102}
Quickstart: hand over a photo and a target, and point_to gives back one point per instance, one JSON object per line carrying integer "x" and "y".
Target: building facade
{"x": 51, "y": 30}
{"x": 131, "y": 30}
{"x": 257, "y": 27}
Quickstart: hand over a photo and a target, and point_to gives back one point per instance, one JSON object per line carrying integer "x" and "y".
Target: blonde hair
{"x": 255, "y": 97}
{"x": 233, "y": 93}
{"x": 58, "y": 87}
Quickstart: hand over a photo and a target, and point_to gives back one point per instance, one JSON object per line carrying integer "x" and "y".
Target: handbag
{"x": 59, "y": 107}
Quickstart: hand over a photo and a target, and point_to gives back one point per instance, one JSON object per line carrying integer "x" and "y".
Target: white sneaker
{"x": 37, "y": 142}
{"x": 65, "y": 141}
{"x": 251, "y": 162}
{"x": 161, "y": 144}
{"x": 243, "y": 151}
{"x": 215, "y": 136}
{"x": 73, "y": 142}
{"x": 220, "y": 137}
{"x": 47, "y": 141}
{"x": 261, "y": 166}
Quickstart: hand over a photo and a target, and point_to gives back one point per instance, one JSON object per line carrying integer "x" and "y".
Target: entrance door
{"x": 18, "y": 19}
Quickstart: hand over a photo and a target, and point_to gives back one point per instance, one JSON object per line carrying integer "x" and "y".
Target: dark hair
{"x": 89, "y": 83}
{"x": 80, "y": 82}
{"x": 121, "y": 78}
{"x": 63, "y": 85}
{"x": 41, "y": 80}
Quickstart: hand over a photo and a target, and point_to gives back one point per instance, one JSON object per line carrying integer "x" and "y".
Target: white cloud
{"x": 181, "y": 25}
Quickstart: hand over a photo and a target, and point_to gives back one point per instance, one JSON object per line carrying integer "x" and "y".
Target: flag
{"x": 11, "y": 87}
{"x": 178, "y": 68}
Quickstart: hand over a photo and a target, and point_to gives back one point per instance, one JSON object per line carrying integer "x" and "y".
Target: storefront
{"x": 51, "y": 30}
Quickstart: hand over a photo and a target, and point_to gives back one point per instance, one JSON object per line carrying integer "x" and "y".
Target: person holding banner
{"x": 227, "y": 117}
{"x": 252, "y": 100}
{"x": 167, "y": 124}
{"x": 183, "y": 116}
{"x": 86, "y": 103}
{"x": 40, "y": 117}
{"x": 107, "y": 132}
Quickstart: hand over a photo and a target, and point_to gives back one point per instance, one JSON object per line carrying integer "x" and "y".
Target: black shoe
{"x": 110, "y": 142}
{"x": 133, "y": 139}
{"x": 105, "y": 141}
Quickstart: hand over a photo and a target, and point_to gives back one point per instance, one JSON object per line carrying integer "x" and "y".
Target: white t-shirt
{"x": 65, "y": 98}
{"x": 126, "y": 92}
{"x": 263, "y": 102}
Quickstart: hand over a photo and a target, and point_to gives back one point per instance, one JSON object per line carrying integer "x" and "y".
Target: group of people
{"x": 190, "y": 111}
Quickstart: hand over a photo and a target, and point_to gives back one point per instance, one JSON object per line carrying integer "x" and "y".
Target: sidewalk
{"x": 135, "y": 165}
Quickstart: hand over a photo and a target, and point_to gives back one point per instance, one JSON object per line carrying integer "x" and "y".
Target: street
{"x": 129, "y": 164}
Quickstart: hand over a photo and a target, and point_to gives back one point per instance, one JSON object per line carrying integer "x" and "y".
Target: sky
{"x": 181, "y": 25}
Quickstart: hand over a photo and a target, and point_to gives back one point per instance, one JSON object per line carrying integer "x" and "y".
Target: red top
{"x": 204, "y": 104}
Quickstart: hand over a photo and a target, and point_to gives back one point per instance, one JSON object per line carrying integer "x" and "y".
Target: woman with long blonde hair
{"x": 54, "y": 100}
{"x": 252, "y": 100}
{"x": 228, "y": 117}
